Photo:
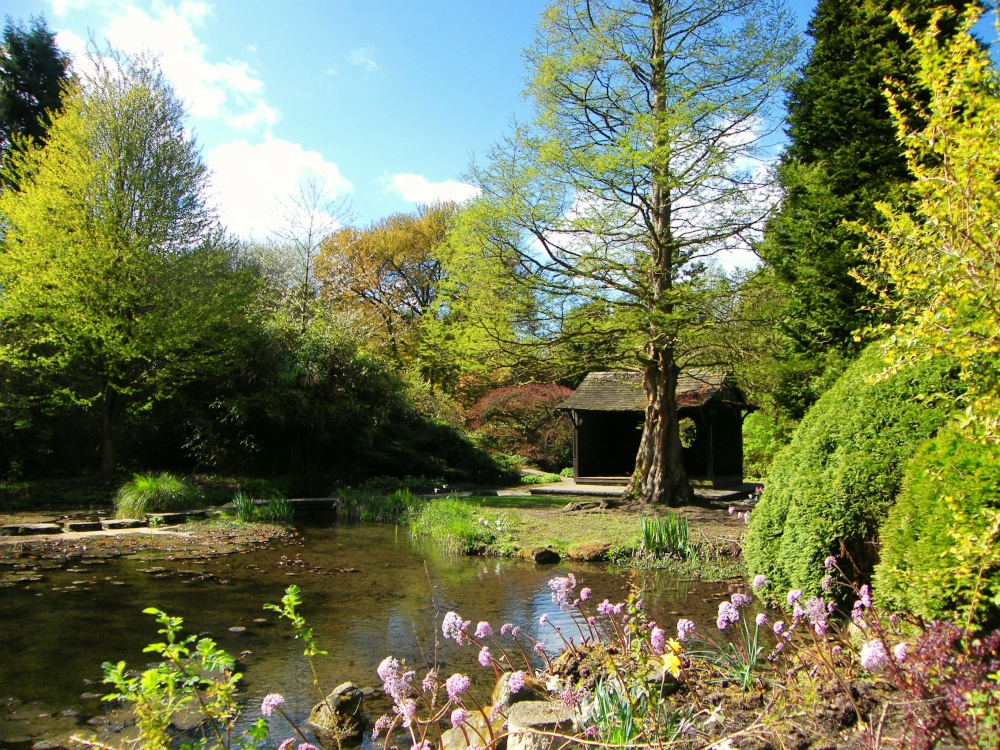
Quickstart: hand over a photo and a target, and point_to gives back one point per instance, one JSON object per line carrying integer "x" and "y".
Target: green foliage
{"x": 277, "y": 510}
{"x": 396, "y": 507}
{"x": 460, "y": 526}
{"x": 938, "y": 254}
{"x": 829, "y": 489}
{"x": 246, "y": 508}
{"x": 666, "y": 535}
{"x": 567, "y": 473}
{"x": 540, "y": 478}
{"x": 155, "y": 493}
{"x": 940, "y": 557}
{"x": 33, "y": 72}
{"x": 117, "y": 287}
{"x": 842, "y": 157}
{"x": 194, "y": 673}
{"x": 524, "y": 420}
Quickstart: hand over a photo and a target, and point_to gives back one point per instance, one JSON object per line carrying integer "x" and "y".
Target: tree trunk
{"x": 659, "y": 475}
{"x": 110, "y": 427}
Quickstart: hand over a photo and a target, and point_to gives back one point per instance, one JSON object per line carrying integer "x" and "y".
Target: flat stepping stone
{"x": 123, "y": 523}
{"x": 169, "y": 518}
{"x": 26, "y": 529}
{"x": 82, "y": 525}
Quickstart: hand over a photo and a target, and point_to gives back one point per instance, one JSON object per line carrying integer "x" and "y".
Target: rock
{"x": 525, "y": 720}
{"x": 541, "y": 555}
{"x": 589, "y": 551}
{"x": 573, "y": 507}
{"x": 339, "y": 717}
{"x": 476, "y": 733}
{"x": 82, "y": 525}
{"x": 25, "y": 529}
{"x": 48, "y": 745}
{"x": 168, "y": 519}
{"x": 533, "y": 690}
{"x": 123, "y": 523}
{"x": 237, "y": 630}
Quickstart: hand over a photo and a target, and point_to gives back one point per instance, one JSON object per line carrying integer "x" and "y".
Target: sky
{"x": 385, "y": 103}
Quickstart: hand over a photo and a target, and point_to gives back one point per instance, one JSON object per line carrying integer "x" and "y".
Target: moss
{"x": 830, "y": 488}
{"x": 930, "y": 564}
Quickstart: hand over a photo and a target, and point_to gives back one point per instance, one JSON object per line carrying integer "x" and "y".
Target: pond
{"x": 369, "y": 592}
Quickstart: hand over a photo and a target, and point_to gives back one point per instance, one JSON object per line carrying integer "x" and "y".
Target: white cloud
{"x": 418, "y": 189}
{"x": 250, "y": 182}
{"x": 230, "y": 90}
{"x": 365, "y": 58}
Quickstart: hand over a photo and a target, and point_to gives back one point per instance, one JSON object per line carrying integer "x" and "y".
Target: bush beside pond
{"x": 832, "y": 486}
{"x": 938, "y": 538}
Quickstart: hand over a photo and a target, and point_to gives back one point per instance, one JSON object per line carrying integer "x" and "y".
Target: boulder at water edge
{"x": 339, "y": 717}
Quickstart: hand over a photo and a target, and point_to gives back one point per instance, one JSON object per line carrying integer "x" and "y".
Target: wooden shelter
{"x": 608, "y": 411}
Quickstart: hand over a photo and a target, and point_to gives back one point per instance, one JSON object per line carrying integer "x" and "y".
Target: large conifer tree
{"x": 843, "y": 156}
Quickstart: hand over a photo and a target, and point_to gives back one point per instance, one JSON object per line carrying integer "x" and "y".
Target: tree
{"x": 385, "y": 275}
{"x": 842, "y": 157}
{"x": 936, "y": 261}
{"x": 116, "y": 282}
{"x": 632, "y": 175}
{"x": 33, "y": 73}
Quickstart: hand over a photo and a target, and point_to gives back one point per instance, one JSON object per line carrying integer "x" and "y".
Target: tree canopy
{"x": 116, "y": 282}
{"x": 633, "y": 174}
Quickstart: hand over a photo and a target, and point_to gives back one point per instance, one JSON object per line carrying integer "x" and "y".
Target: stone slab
{"x": 123, "y": 523}
{"x": 27, "y": 529}
{"x": 169, "y": 518}
{"x": 82, "y": 525}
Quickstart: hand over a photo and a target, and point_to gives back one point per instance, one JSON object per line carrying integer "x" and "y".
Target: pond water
{"x": 369, "y": 592}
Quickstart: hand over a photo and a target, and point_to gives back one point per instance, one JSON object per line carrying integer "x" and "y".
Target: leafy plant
{"x": 246, "y": 508}
{"x": 540, "y": 479}
{"x": 154, "y": 493}
{"x": 277, "y": 510}
{"x": 460, "y": 526}
{"x": 396, "y": 507}
{"x": 567, "y": 473}
{"x": 666, "y": 535}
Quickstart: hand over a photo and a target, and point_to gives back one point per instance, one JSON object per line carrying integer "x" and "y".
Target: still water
{"x": 369, "y": 592}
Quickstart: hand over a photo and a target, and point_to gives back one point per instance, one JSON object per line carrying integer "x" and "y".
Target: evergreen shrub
{"x": 831, "y": 487}
{"x": 937, "y": 539}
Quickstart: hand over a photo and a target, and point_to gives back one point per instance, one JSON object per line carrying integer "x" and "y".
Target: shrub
{"x": 830, "y": 488}
{"x": 523, "y": 420}
{"x": 540, "y": 479}
{"x": 159, "y": 493}
{"x": 939, "y": 557}
{"x": 763, "y": 436}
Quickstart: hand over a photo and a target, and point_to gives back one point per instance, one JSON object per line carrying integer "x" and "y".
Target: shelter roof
{"x": 622, "y": 391}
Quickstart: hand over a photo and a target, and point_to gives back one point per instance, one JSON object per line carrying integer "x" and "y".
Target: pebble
{"x": 237, "y": 629}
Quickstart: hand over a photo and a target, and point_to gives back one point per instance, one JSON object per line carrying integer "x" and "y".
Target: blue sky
{"x": 385, "y": 102}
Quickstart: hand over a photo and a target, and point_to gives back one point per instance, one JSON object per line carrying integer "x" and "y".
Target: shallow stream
{"x": 369, "y": 592}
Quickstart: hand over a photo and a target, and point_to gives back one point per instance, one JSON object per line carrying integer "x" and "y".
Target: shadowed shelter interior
{"x": 608, "y": 410}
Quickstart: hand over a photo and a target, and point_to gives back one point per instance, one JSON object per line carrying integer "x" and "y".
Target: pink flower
{"x": 307, "y": 746}
{"x": 584, "y": 594}
{"x": 484, "y": 630}
{"x": 286, "y": 744}
{"x": 516, "y": 682}
{"x": 899, "y": 651}
{"x": 408, "y": 710}
{"x": 458, "y": 717}
{"x": 873, "y": 656}
{"x": 543, "y": 619}
{"x": 793, "y": 596}
{"x": 827, "y": 583}
{"x": 456, "y": 685}
{"x": 270, "y": 702}
{"x": 561, "y": 588}
{"x": 506, "y": 628}
{"x": 778, "y": 627}
{"x": 727, "y": 614}
{"x": 740, "y": 600}
{"x": 605, "y": 607}
{"x": 430, "y": 681}
{"x": 830, "y": 563}
{"x": 759, "y": 582}
{"x": 485, "y": 658}
{"x": 761, "y": 620}
{"x": 657, "y": 640}
{"x": 684, "y": 629}
{"x": 381, "y": 724}
{"x": 454, "y": 627}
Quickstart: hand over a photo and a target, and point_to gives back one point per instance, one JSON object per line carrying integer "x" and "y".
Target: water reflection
{"x": 369, "y": 591}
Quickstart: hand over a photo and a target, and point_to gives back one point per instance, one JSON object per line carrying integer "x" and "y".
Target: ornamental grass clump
{"x": 461, "y": 526}
{"x": 666, "y": 536}
{"x": 155, "y": 493}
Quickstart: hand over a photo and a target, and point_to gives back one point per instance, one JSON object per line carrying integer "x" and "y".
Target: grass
{"x": 664, "y": 536}
{"x": 540, "y": 479}
{"x": 275, "y": 510}
{"x": 462, "y": 526}
{"x": 155, "y": 493}
{"x": 396, "y": 507}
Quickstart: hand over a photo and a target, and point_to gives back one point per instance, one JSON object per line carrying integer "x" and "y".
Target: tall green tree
{"x": 842, "y": 157}
{"x": 631, "y": 174}
{"x": 116, "y": 283}
{"x": 33, "y": 72}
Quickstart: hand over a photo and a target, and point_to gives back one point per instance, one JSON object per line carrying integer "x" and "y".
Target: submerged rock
{"x": 339, "y": 717}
